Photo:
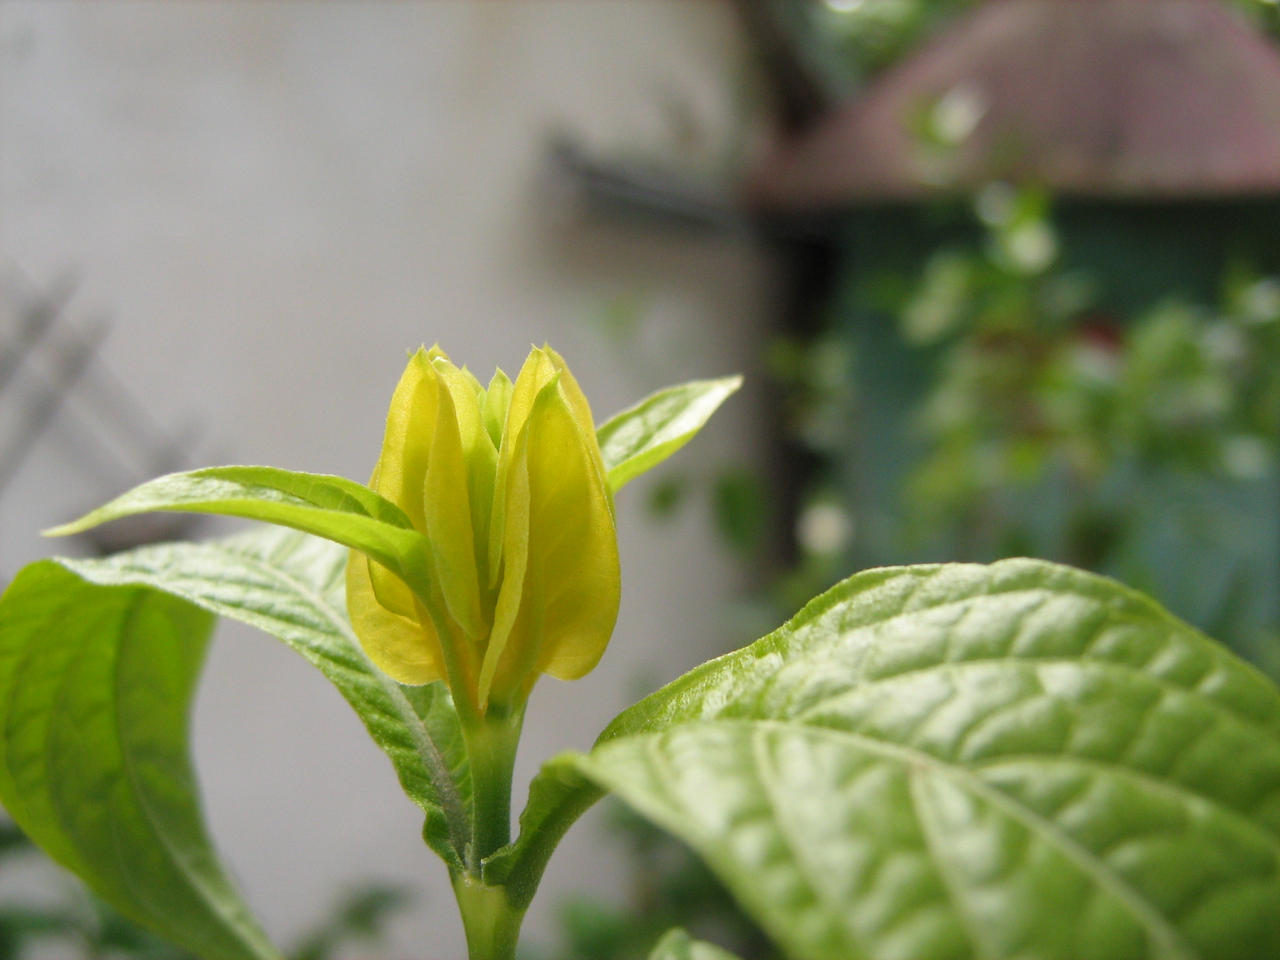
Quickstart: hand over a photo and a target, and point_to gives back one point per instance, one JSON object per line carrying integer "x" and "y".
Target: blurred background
{"x": 1004, "y": 278}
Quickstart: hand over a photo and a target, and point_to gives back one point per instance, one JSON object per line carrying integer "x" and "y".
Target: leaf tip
{"x": 66, "y": 529}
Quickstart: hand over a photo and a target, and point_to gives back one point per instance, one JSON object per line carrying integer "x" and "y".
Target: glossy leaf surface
{"x": 641, "y": 437}
{"x": 1018, "y": 760}
{"x": 95, "y": 690}
{"x": 332, "y": 507}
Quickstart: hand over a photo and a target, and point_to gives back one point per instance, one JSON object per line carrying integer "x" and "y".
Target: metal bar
{"x": 623, "y": 189}
{"x": 73, "y": 360}
{"x": 38, "y": 318}
{"x": 113, "y": 403}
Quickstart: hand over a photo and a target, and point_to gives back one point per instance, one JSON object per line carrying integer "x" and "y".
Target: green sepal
{"x": 494, "y": 410}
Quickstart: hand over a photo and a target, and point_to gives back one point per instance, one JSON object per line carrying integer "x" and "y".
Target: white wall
{"x": 272, "y": 201}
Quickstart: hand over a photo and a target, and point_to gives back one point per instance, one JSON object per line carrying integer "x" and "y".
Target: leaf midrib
{"x": 822, "y": 891}
{"x": 432, "y": 758}
{"x": 198, "y": 882}
{"x": 25, "y": 664}
{"x": 1165, "y": 934}
{"x": 425, "y": 747}
{"x": 926, "y": 816}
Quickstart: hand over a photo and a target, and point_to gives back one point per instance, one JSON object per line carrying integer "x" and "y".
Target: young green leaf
{"x": 1018, "y": 760}
{"x": 335, "y": 508}
{"x": 678, "y": 945}
{"x": 290, "y": 585}
{"x": 558, "y": 796}
{"x": 641, "y": 437}
{"x": 95, "y": 691}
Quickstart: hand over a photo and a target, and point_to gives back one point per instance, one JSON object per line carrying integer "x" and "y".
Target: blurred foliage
{"x": 740, "y": 506}
{"x": 1024, "y": 393}
{"x": 80, "y": 925}
{"x": 359, "y": 916}
{"x": 1146, "y": 446}
{"x": 994, "y": 382}
{"x": 849, "y": 41}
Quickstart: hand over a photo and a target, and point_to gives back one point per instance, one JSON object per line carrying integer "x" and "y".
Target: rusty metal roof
{"x": 1138, "y": 99}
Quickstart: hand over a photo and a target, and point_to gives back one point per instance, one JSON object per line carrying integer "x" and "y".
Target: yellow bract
{"x": 509, "y": 488}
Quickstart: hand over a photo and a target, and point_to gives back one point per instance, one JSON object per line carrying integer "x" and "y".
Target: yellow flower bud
{"x": 508, "y": 486}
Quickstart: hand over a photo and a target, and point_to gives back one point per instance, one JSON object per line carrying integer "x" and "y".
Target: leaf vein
{"x": 1216, "y": 705}
{"x": 926, "y": 816}
{"x": 1177, "y": 790}
{"x": 425, "y": 746}
{"x": 1171, "y": 941}
{"x": 766, "y": 776}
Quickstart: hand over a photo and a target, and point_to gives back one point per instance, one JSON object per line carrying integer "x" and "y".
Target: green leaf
{"x": 639, "y": 438}
{"x": 95, "y": 692}
{"x": 290, "y": 585}
{"x": 678, "y": 945}
{"x": 1018, "y": 760}
{"x": 332, "y": 507}
{"x": 558, "y": 796}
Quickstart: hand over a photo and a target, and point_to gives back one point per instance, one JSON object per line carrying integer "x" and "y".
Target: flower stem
{"x": 491, "y": 740}
{"x": 491, "y": 922}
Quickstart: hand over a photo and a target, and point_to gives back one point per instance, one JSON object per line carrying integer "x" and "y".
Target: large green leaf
{"x": 641, "y": 437}
{"x": 678, "y": 945}
{"x": 98, "y": 664}
{"x": 95, "y": 689}
{"x": 290, "y": 585}
{"x": 332, "y": 507}
{"x": 1018, "y": 760}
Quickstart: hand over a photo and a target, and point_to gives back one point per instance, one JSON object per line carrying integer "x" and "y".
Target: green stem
{"x": 491, "y": 740}
{"x": 491, "y": 922}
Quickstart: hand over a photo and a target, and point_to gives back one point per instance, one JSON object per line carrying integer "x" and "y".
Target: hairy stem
{"x": 491, "y": 740}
